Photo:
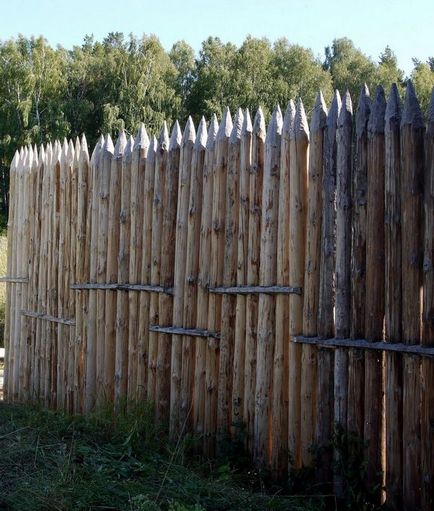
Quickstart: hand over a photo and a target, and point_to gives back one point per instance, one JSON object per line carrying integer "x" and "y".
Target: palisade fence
{"x": 270, "y": 285}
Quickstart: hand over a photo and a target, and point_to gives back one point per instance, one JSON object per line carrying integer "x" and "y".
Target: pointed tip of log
{"x": 70, "y": 153}
{"x": 153, "y": 144}
{"x": 83, "y": 140}
{"x": 288, "y": 120}
{"x": 202, "y": 135}
{"x": 97, "y": 150}
{"x": 237, "y": 127}
{"x": 335, "y": 110}
{"x": 163, "y": 138}
{"x": 175, "y": 137}
{"x": 77, "y": 145}
{"x": 378, "y": 110}
{"x": 319, "y": 114}
{"x": 393, "y": 107}
{"x": 259, "y": 128}
{"x": 212, "y": 132}
{"x": 189, "y": 134}
{"x": 411, "y": 113}
{"x": 108, "y": 144}
{"x": 247, "y": 123}
{"x": 14, "y": 161}
{"x": 275, "y": 127}
{"x": 142, "y": 139}
{"x": 363, "y": 111}
{"x": 301, "y": 125}
{"x": 346, "y": 114}
{"x": 121, "y": 143}
{"x": 226, "y": 125}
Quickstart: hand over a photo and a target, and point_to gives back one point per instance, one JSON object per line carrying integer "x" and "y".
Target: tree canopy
{"x": 48, "y": 93}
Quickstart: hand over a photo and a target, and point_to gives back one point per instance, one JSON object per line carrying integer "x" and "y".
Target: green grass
{"x": 50, "y": 461}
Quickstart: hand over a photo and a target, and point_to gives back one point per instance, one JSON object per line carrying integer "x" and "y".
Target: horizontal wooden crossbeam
{"x": 415, "y": 349}
{"x": 191, "y": 332}
{"x": 48, "y": 317}
{"x": 247, "y": 290}
{"x": 14, "y": 280}
{"x": 124, "y": 287}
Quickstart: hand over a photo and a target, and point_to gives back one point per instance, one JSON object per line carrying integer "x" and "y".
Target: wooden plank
{"x": 253, "y": 264}
{"x": 312, "y": 278}
{"x": 106, "y": 393}
{"x": 15, "y": 280}
{"x": 168, "y": 243}
{"x": 157, "y": 224}
{"x": 177, "y": 425}
{"x": 216, "y": 278}
{"x": 203, "y": 280}
{"x": 279, "y": 410}
{"x": 137, "y": 252}
{"x": 412, "y": 175}
{"x": 242, "y": 254}
{"x": 176, "y": 330}
{"x": 146, "y": 270}
{"x": 299, "y": 141}
{"x": 191, "y": 276}
{"x": 48, "y": 317}
{"x": 267, "y": 303}
{"x": 247, "y": 290}
{"x": 427, "y": 414}
{"x": 227, "y": 329}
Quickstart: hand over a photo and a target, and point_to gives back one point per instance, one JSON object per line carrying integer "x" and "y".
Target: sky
{"x": 406, "y": 26}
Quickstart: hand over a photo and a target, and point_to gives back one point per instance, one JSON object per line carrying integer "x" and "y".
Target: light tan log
{"x": 279, "y": 409}
{"x": 146, "y": 270}
{"x": 242, "y": 255}
{"x": 412, "y": 176}
{"x": 375, "y": 253}
{"x": 203, "y": 280}
{"x": 121, "y": 357}
{"x": 227, "y": 336}
{"x": 92, "y": 235}
{"x": 165, "y": 302}
{"x": 216, "y": 277}
{"x": 267, "y": 303}
{"x": 157, "y": 226}
{"x": 343, "y": 263}
{"x": 427, "y": 414}
{"x": 106, "y": 393}
{"x": 180, "y": 257}
{"x": 191, "y": 277}
{"x": 299, "y": 141}
{"x": 137, "y": 207}
{"x": 253, "y": 263}
{"x": 312, "y": 278}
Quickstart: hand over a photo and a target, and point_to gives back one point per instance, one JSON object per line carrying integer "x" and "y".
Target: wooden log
{"x": 356, "y": 359}
{"x": 106, "y": 393}
{"x": 267, "y": 303}
{"x": 374, "y": 309}
{"x": 216, "y": 277}
{"x": 180, "y": 256}
{"x": 242, "y": 255}
{"x": 81, "y": 269}
{"x": 9, "y": 287}
{"x": 157, "y": 225}
{"x": 343, "y": 263}
{"x": 137, "y": 206}
{"x": 199, "y": 393}
{"x": 103, "y": 229}
{"x": 279, "y": 409}
{"x": 392, "y": 232}
{"x": 312, "y": 278}
{"x": 299, "y": 142}
{"x": 253, "y": 264}
{"x": 121, "y": 356}
{"x": 227, "y": 336}
{"x": 412, "y": 176}
{"x": 146, "y": 267}
{"x": 168, "y": 242}
{"x": 427, "y": 413}
{"x": 92, "y": 234}
{"x": 191, "y": 276}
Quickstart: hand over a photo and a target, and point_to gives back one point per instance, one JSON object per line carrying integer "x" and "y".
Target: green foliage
{"x": 423, "y": 80}
{"x": 119, "y": 461}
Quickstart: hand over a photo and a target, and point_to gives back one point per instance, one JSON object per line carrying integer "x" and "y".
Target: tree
{"x": 423, "y": 80}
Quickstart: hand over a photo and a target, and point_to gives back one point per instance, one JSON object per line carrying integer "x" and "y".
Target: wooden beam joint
{"x": 190, "y": 332}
